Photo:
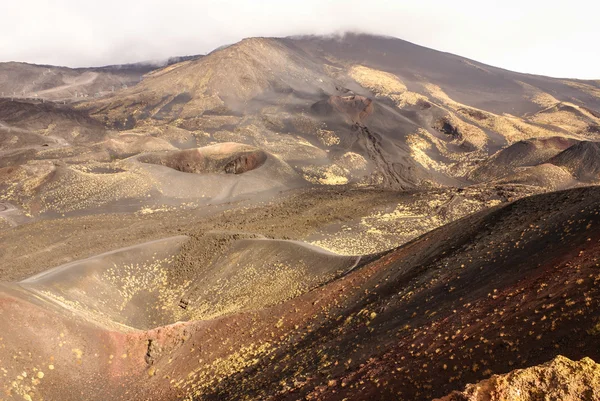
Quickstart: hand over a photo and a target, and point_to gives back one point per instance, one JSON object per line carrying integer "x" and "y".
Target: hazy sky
{"x": 551, "y": 37}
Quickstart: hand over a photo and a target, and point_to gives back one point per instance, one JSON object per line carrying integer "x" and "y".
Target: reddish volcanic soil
{"x": 504, "y": 289}
{"x": 357, "y": 108}
{"x": 231, "y": 158}
{"x": 497, "y": 291}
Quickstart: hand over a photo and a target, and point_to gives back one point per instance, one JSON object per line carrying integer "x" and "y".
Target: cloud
{"x": 532, "y": 36}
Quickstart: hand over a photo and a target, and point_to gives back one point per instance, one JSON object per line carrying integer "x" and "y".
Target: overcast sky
{"x": 556, "y": 38}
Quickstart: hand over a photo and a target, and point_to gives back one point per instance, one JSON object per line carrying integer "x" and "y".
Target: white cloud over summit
{"x": 542, "y": 37}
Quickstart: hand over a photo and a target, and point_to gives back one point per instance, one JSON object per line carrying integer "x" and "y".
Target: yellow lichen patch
{"x": 380, "y": 82}
{"x": 515, "y": 129}
{"x": 585, "y": 112}
{"x": 419, "y": 145}
{"x": 327, "y": 138}
{"x": 587, "y": 88}
{"x": 471, "y": 135}
{"x": 439, "y": 94}
{"x": 285, "y": 146}
{"x": 396, "y": 225}
{"x": 594, "y": 331}
{"x": 151, "y": 277}
{"x": 254, "y": 286}
{"x": 562, "y": 119}
{"x": 146, "y": 286}
{"x": 24, "y": 385}
{"x": 512, "y": 128}
{"x": 537, "y": 96}
{"x": 384, "y": 84}
{"x": 423, "y": 142}
{"x": 408, "y": 98}
{"x": 73, "y": 189}
{"x": 325, "y": 175}
{"x": 4, "y": 223}
{"x": 546, "y": 176}
{"x": 206, "y": 376}
{"x": 352, "y": 162}
{"x": 544, "y": 99}
{"x": 22, "y": 184}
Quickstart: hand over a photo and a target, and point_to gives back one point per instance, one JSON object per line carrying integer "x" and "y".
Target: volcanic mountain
{"x": 327, "y": 218}
{"x": 414, "y": 115}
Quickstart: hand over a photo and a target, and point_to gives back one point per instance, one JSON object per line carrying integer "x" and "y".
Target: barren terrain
{"x": 299, "y": 218}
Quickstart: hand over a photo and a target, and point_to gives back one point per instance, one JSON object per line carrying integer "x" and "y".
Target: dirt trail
{"x": 11, "y": 214}
{"x": 82, "y": 80}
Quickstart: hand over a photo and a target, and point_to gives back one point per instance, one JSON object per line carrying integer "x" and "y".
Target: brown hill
{"x": 546, "y": 176}
{"x": 358, "y": 110}
{"x": 570, "y": 117}
{"x": 520, "y": 154}
{"x": 582, "y": 160}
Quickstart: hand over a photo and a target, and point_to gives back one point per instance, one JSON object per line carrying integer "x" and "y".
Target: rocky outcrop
{"x": 356, "y": 108}
{"x": 560, "y": 379}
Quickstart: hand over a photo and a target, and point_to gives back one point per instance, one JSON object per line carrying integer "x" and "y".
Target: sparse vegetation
{"x": 301, "y": 218}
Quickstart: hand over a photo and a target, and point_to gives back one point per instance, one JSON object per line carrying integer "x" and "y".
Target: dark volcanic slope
{"x": 582, "y": 160}
{"x": 503, "y": 289}
{"x": 507, "y": 288}
{"x": 467, "y": 81}
{"x": 51, "y": 120}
